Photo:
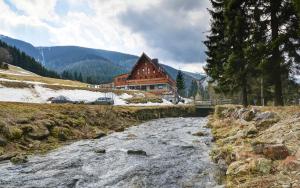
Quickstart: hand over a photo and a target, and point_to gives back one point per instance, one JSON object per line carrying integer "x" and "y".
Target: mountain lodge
{"x": 148, "y": 75}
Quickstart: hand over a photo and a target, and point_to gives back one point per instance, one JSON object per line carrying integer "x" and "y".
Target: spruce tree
{"x": 193, "y": 89}
{"x": 180, "y": 84}
{"x": 283, "y": 43}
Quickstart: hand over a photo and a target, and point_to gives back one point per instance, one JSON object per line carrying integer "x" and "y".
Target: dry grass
{"x": 68, "y": 122}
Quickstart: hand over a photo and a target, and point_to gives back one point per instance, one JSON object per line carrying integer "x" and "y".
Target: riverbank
{"x": 166, "y": 152}
{"x": 37, "y": 128}
{"x": 257, "y": 146}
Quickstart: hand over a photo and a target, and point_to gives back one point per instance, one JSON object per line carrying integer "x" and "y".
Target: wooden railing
{"x": 213, "y": 102}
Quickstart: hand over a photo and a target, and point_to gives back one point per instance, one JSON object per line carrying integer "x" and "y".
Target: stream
{"x": 174, "y": 158}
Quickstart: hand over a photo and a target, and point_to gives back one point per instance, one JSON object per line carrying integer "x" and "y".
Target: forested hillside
{"x": 86, "y": 64}
{"x": 15, "y": 57}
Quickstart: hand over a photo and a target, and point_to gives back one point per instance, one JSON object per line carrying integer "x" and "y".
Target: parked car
{"x": 60, "y": 99}
{"x": 104, "y": 101}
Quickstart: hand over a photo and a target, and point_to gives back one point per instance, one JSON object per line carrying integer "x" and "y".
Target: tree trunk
{"x": 275, "y": 59}
{"x": 245, "y": 93}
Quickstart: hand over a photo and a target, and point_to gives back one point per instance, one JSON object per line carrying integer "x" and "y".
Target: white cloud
{"x": 88, "y": 23}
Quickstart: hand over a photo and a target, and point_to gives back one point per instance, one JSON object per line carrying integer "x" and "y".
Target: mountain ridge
{"x": 75, "y": 59}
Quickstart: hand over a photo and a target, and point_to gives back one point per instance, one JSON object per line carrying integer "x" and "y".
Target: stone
{"x": 62, "y": 133}
{"x": 199, "y": 133}
{"x": 266, "y": 119}
{"x": 238, "y": 168}
{"x": 290, "y": 163}
{"x": 121, "y": 129}
{"x": 188, "y": 147}
{"x": 136, "y": 152}
{"x": 261, "y": 165}
{"x": 3, "y": 141}
{"x": 19, "y": 159}
{"x": 251, "y": 131}
{"x": 275, "y": 151}
{"x": 99, "y": 134}
{"x": 7, "y": 156}
{"x": 100, "y": 151}
{"x": 248, "y": 115}
{"x": 38, "y": 132}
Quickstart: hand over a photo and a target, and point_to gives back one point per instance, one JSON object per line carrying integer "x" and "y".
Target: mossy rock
{"x": 38, "y": 132}
{"x": 19, "y": 159}
{"x": 61, "y": 133}
{"x": 15, "y": 133}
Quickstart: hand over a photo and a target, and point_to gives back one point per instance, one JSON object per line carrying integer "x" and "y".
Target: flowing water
{"x": 175, "y": 158}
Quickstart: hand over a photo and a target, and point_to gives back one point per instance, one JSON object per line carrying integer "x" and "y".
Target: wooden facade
{"x": 148, "y": 75}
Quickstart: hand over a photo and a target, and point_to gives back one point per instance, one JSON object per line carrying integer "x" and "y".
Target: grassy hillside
{"x": 257, "y": 147}
{"x": 18, "y": 74}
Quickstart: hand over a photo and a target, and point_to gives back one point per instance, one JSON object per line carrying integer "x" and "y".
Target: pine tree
{"x": 193, "y": 89}
{"x": 180, "y": 84}
{"x": 80, "y": 77}
{"x": 237, "y": 69}
{"x": 216, "y": 45}
{"x": 283, "y": 43}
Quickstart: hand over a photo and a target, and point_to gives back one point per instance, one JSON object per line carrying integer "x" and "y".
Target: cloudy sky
{"x": 171, "y": 30}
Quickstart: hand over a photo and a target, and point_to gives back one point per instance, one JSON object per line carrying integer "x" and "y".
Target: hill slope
{"x": 101, "y": 65}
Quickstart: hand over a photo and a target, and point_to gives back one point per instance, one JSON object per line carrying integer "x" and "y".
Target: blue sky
{"x": 171, "y": 30}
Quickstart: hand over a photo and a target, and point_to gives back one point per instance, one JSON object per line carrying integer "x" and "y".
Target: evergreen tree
{"x": 26, "y": 62}
{"x": 216, "y": 45}
{"x": 283, "y": 43}
{"x": 193, "y": 89}
{"x": 80, "y": 77}
{"x": 180, "y": 84}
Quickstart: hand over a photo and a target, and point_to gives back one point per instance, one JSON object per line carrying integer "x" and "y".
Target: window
{"x": 161, "y": 86}
{"x": 152, "y": 87}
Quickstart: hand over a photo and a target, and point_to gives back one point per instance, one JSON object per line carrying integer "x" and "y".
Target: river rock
{"x": 199, "y": 133}
{"x": 248, "y": 115}
{"x": 266, "y": 119}
{"x": 250, "y": 131}
{"x": 7, "y": 156}
{"x": 38, "y": 132}
{"x": 238, "y": 168}
{"x": 19, "y": 159}
{"x": 261, "y": 165}
{"x": 100, "y": 151}
{"x": 3, "y": 141}
{"x": 136, "y": 152}
{"x": 271, "y": 151}
{"x": 99, "y": 134}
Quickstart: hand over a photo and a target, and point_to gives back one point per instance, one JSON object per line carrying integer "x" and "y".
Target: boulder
{"x": 19, "y": 159}
{"x": 266, "y": 119}
{"x": 261, "y": 165}
{"x": 290, "y": 164}
{"x": 38, "y": 132}
{"x": 62, "y": 133}
{"x": 7, "y": 156}
{"x": 271, "y": 151}
{"x": 136, "y": 152}
{"x": 3, "y": 141}
{"x": 251, "y": 131}
{"x": 238, "y": 168}
{"x": 248, "y": 115}
{"x": 15, "y": 133}
{"x": 99, "y": 134}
